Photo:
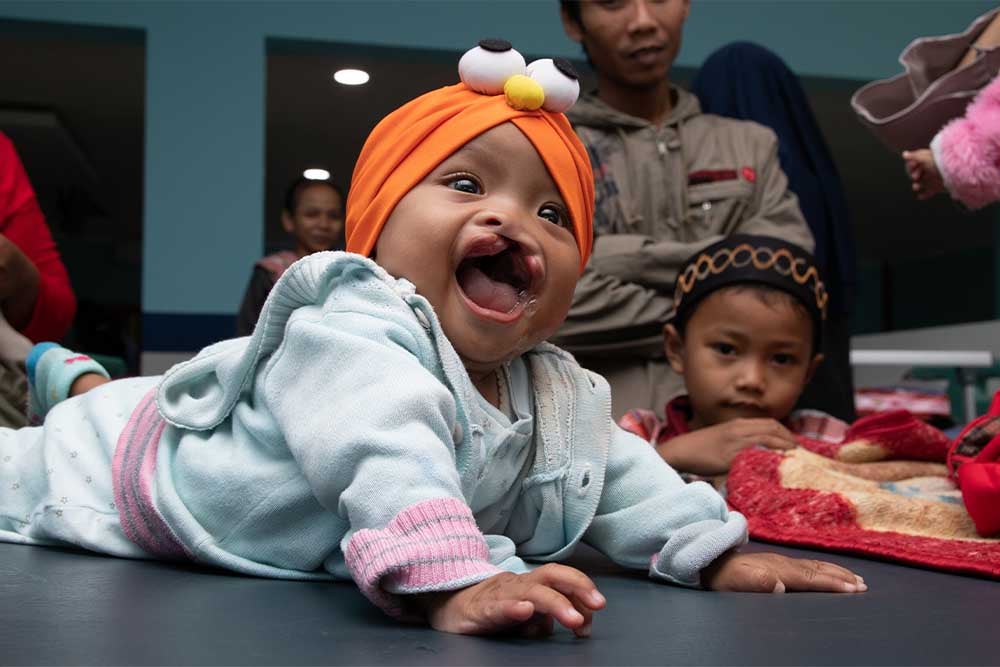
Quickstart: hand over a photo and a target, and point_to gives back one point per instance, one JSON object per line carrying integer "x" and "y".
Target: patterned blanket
{"x": 884, "y": 491}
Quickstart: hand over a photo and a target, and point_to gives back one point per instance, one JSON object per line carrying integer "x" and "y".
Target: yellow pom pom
{"x": 523, "y": 93}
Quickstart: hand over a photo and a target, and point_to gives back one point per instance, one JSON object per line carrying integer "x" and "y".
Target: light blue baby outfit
{"x": 345, "y": 439}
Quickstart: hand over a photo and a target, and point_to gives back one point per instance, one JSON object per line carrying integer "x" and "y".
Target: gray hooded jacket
{"x": 663, "y": 193}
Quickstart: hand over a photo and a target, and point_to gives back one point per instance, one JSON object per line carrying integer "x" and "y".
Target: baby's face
{"x": 487, "y": 239}
{"x": 743, "y": 356}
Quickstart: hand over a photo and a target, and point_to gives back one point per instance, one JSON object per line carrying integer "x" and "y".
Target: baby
{"x": 748, "y": 312}
{"x": 398, "y": 421}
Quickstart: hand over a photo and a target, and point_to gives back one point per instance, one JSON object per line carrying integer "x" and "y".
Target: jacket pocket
{"x": 717, "y": 208}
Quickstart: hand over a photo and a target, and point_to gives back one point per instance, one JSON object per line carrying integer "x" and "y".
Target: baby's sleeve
{"x": 373, "y": 432}
{"x": 649, "y": 518}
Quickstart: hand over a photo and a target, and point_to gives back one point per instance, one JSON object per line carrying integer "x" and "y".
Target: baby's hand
{"x": 523, "y": 603}
{"x": 924, "y": 174}
{"x": 711, "y": 450}
{"x": 774, "y": 573}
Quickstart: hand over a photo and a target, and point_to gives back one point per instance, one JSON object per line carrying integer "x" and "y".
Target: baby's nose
{"x": 504, "y": 216}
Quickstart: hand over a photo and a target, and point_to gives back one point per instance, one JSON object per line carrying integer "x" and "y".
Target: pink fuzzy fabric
{"x": 967, "y": 150}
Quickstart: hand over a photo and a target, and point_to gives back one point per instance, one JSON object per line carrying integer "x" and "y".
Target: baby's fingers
{"x": 571, "y": 582}
{"x": 816, "y": 575}
{"x": 550, "y": 601}
{"x": 494, "y": 616}
{"x": 578, "y": 588}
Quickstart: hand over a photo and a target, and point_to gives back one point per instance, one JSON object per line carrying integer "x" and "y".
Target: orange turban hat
{"x": 412, "y": 140}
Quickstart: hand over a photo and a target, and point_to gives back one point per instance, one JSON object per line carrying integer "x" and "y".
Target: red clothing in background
{"x": 22, "y": 222}
{"x": 811, "y": 426}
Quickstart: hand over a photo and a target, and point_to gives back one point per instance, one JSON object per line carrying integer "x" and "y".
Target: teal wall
{"x": 205, "y": 93}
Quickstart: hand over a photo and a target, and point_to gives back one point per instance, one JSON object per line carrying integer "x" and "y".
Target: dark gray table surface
{"x": 63, "y": 607}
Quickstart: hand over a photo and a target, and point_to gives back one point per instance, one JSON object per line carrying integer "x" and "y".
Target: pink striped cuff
{"x": 434, "y": 545}
{"x": 133, "y": 469}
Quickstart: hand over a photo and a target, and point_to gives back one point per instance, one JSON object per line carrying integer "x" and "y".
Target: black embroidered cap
{"x": 743, "y": 259}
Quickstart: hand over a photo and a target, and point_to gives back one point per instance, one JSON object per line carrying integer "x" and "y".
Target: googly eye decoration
{"x": 493, "y": 67}
{"x": 559, "y": 81}
{"x": 486, "y": 67}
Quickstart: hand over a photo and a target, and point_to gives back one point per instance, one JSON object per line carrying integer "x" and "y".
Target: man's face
{"x": 631, "y": 42}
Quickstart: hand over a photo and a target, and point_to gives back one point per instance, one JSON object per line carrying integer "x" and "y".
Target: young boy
{"x": 744, "y": 336}
{"x": 401, "y": 423}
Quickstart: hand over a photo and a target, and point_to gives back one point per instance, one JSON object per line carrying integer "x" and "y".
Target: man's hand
{"x": 924, "y": 174}
{"x": 711, "y": 450}
{"x": 18, "y": 284}
{"x": 527, "y": 604}
{"x": 774, "y": 573}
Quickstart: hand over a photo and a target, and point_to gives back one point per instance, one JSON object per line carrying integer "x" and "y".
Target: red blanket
{"x": 884, "y": 492}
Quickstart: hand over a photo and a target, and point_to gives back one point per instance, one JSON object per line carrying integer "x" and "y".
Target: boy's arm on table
{"x": 648, "y": 518}
{"x": 711, "y": 450}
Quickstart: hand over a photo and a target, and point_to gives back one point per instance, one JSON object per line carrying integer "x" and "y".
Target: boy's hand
{"x": 524, "y": 603}
{"x": 923, "y": 172}
{"x": 774, "y": 573}
{"x": 711, "y": 450}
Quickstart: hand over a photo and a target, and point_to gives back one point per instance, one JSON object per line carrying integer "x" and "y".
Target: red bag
{"x": 974, "y": 461}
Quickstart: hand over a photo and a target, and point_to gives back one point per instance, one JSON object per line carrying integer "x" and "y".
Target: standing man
{"x": 670, "y": 180}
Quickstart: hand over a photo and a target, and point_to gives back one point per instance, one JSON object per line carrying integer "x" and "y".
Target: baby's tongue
{"x": 485, "y": 292}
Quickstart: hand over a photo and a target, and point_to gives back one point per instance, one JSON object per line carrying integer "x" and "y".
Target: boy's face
{"x": 486, "y": 238}
{"x": 631, "y": 42}
{"x": 743, "y": 356}
{"x": 317, "y": 221}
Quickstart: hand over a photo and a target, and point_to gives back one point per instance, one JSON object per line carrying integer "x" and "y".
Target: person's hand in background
{"x": 19, "y": 279}
{"x": 924, "y": 174}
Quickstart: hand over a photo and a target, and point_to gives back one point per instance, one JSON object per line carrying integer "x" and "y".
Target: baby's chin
{"x": 480, "y": 351}
{"x": 477, "y": 359}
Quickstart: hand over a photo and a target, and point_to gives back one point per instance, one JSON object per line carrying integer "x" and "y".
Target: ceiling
{"x": 313, "y": 121}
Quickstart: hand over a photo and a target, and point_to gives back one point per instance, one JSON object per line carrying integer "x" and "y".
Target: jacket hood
{"x": 591, "y": 111}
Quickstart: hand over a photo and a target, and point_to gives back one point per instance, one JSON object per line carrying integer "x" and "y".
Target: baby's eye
{"x": 465, "y": 184}
{"x": 554, "y": 214}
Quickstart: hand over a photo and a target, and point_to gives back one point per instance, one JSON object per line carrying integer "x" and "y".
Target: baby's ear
{"x": 286, "y": 222}
{"x": 673, "y": 346}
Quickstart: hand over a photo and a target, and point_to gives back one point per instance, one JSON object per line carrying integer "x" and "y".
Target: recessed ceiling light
{"x": 316, "y": 174}
{"x": 351, "y": 77}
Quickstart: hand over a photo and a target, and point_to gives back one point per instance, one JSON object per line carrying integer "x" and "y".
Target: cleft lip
{"x": 530, "y": 267}
{"x": 486, "y": 245}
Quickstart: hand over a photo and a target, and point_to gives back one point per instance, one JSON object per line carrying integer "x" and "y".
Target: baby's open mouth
{"x": 494, "y": 274}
